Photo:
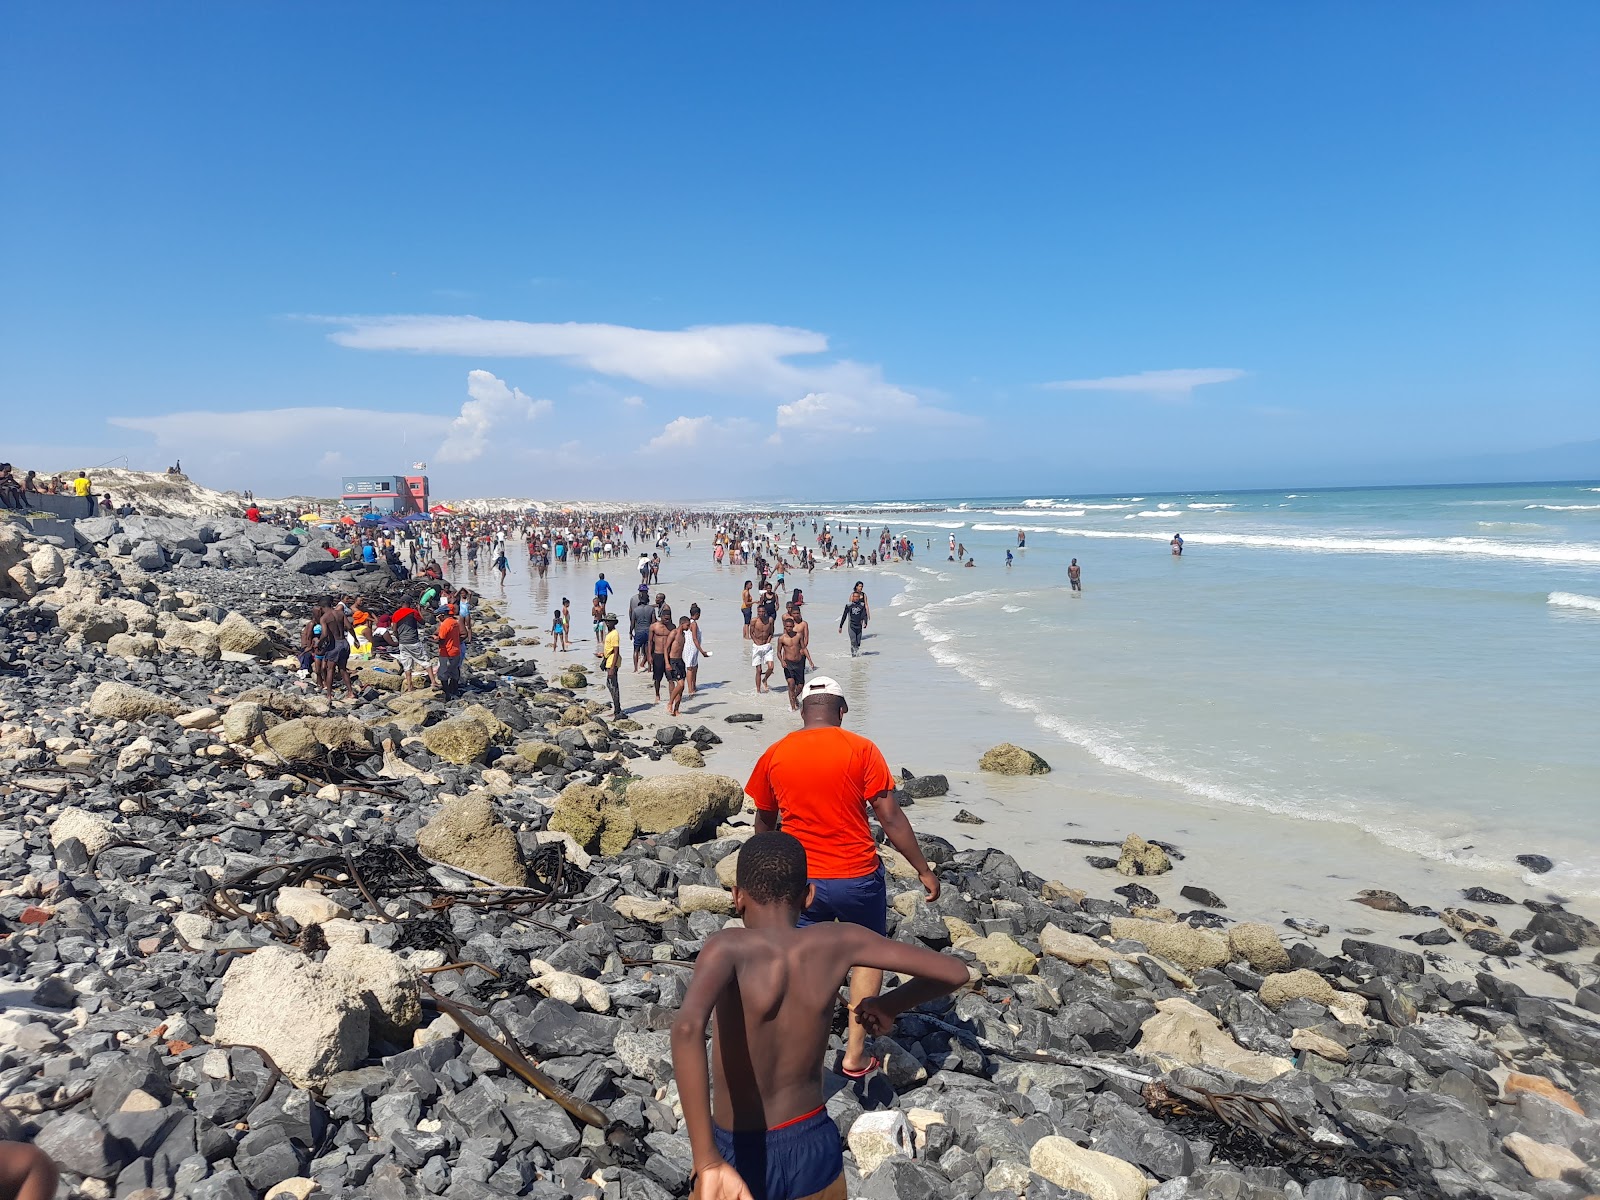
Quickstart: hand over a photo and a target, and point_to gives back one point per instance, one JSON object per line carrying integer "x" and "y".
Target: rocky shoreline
{"x": 255, "y": 946}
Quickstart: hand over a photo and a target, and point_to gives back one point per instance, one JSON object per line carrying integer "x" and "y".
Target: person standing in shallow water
{"x": 1075, "y": 576}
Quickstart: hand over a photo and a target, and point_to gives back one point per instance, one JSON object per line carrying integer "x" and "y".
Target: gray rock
{"x": 1400, "y": 964}
{"x": 80, "y": 1144}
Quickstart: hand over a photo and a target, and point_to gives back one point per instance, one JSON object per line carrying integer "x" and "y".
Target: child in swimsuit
{"x": 757, "y": 1122}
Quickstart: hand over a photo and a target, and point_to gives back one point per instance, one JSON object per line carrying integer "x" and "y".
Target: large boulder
{"x": 1098, "y": 1176}
{"x": 1006, "y": 759}
{"x": 93, "y": 829}
{"x": 458, "y": 740}
{"x": 694, "y": 802}
{"x": 312, "y": 559}
{"x": 594, "y": 818}
{"x": 382, "y": 981}
{"x": 48, "y": 566}
{"x": 124, "y": 702}
{"x": 1140, "y": 857}
{"x": 1184, "y": 1034}
{"x": 244, "y": 636}
{"x": 175, "y": 533}
{"x": 1191, "y": 949}
{"x": 1000, "y": 954}
{"x": 133, "y": 645}
{"x": 540, "y": 754}
{"x": 308, "y": 1017}
{"x": 149, "y": 556}
{"x": 244, "y": 722}
{"x": 1278, "y": 989}
{"x": 294, "y": 741}
{"x": 199, "y": 638}
{"x": 340, "y": 733}
{"x": 1259, "y": 946}
{"x": 499, "y": 732}
{"x": 466, "y": 833}
{"x": 91, "y": 621}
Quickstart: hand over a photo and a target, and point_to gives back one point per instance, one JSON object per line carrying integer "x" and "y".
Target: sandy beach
{"x": 931, "y": 720}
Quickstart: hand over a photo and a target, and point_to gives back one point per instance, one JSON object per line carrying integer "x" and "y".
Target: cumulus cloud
{"x": 740, "y": 360}
{"x": 491, "y": 402}
{"x": 1177, "y": 384}
{"x": 687, "y": 433}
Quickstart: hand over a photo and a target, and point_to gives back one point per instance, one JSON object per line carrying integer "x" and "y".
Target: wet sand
{"x": 930, "y": 720}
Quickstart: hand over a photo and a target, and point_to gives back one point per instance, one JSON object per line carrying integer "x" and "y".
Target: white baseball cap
{"x": 821, "y": 685}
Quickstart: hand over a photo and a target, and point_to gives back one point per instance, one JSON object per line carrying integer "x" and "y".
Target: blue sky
{"x": 712, "y": 250}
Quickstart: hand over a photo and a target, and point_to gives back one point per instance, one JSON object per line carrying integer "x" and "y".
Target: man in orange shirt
{"x": 817, "y": 783}
{"x": 449, "y": 636}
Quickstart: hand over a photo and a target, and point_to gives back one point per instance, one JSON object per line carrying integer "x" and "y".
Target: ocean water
{"x": 1421, "y": 664}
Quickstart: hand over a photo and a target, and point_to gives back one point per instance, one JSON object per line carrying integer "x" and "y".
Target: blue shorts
{"x": 863, "y": 902}
{"x": 788, "y": 1162}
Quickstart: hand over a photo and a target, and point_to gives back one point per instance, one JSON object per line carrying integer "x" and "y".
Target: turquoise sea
{"x": 1420, "y": 663}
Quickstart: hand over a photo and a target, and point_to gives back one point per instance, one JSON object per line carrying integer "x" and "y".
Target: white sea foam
{"x": 1555, "y": 552}
{"x": 1034, "y": 512}
{"x": 994, "y": 528}
{"x": 1210, "y": 506}
{"x": 1011, "y": 608}
{"x": 1166, "y": 504}
{"x": 1574, "y": 600}
{"x": 1111, "y": 749}
{"x": 1566, "y": 507}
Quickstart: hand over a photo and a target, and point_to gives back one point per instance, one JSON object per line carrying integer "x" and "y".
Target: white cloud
{"x": 688, "y": 433}
{"x": 493, "y": 402}
{"x": 1176, "y": 384}
{"x": 280, "y": 428}
{"x": 841, "y": 395}
{"x": 633, "y": 401}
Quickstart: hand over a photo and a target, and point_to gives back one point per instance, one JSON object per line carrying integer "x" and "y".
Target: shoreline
{"x": 919, "y": 713}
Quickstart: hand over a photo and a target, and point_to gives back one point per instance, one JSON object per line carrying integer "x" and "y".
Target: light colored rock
{"x": 466, "y": 833}
{"x": 93, "y": 829}
{"x": 876, "y": 1137}
{"x": 728, "y": 874}
{"x": 686, "y": 755}
{"x": 645, "y": 1055}
{"x": 200, "y": 718}
{"x": 124, "y": 702}
{"x": 594, "y": 818}
{"x": 1185, "y": 1034}
{"x": 307, "y": 906}
{"x": 384, "y": 982}
{"x": 1054, "y": 890}
{"x": 135, "y": 754}
{"x": 195, "y": 929}
{"x": 1006, "y": 759}
{"x": 343, "y": 929}
{"x": 1543, "y": 1160}
{"x": 567, "y": 987}
{"x": 133, "y": 645}
{"x": 296, "y": 1188}
{"x": 1140, "y": 857}
{"x": 90, "y": 620}
{"x": 243, "y": 636}
{"x": 293, "y": 741}
{"x": 1077, "y": 949}
{"x": 1323, "y": 1047}
{"x": 196, "y": 637}
{"x": 1192, "y": 949}
{"x": 1351, "y": 1009}
{"x": 896, "y": 864}
{"x": 1001, "y": 954}
{"x": 1277, "y": 990}
{"x": 694, "y": 801}
{"x": 499, "y": 732}
{"x": 340, "y": 733}
{"x": 1259, "y": 946}
{"x": 306, "y": 1016}
{"x": 243, "y": 723}
{"x": 694, "y": 897}
{"x": 1098, "y": 1176}
{"x": 47, "y": 565}
{"x": 651, "y": 912}
{"x": 1008, "y": 1178}
{"x": 540, "y": 754}
{"x": 458, "y": 740}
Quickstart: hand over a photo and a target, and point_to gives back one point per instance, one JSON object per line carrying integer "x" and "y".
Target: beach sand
{"x": 930, "y": 720}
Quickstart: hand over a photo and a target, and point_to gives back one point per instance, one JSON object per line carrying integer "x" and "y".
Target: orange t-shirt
{"x": 449, "y": 638}
{"x": 819, "y": 781}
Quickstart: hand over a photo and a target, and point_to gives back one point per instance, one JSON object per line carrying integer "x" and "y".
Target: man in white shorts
{"x": 763, "y": 654}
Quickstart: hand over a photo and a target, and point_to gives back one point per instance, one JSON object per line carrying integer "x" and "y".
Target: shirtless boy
{"x": 762, "y": 652}
{"x": 677, "y": 670}
{"x": 794, "y": 655}
{"x": 660, "y": 635}
{"x": 757, "y": 1123}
